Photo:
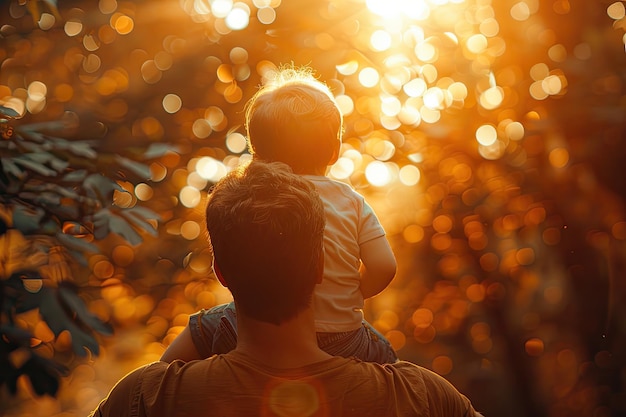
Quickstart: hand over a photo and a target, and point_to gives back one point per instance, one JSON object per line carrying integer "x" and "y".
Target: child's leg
{"x": 380, "y": 347}
{"x": 365, "y": 343}
{"x": 214, "y": 330}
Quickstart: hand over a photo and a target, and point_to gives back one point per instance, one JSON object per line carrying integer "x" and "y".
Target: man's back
{"x": 235, "y": 385}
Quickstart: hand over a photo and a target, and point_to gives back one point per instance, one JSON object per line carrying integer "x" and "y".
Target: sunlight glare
{"x": 239, "y": 17}
{"x": 380, "y": 40}
{"x": 434, "y": 98}
{"x": 616, "y": 10}
{"x": 415, "y": 88}
{"x": 73, "y": 27}
{"x": 348, "y": 68}
{"x": 189, "y": 196}
{"x": 236, "y": 142}
{"x": 345, "y": 103}
{"x": 514, "y": 131}
{"x": 389, "y": 9}
{"x": 492, "y": 98}
{"x": 426, "y": 52}
{"x": 520, "y": 11}
{"x": 409, "y": 175}
{"x": 172, "y": 103}
{"x": 342, "y": 169}
{"x": 390, "y": 105}
{"x": 377, "y": 174}
{"x": 476, "y": 44}
{"x": 430, "y": 115}
{"x": 369, "y": 77}
{"x": 210, "y": 168}
{"x": 266, "y": 15}
{"x": 221, "y": 8}
{"x": 486, "y": 135}
{"x": 458, "y": 90}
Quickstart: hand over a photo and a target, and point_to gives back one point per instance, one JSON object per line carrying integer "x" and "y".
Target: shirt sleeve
{"x": 444, "y": 399}
{"x": 369, "y": 225}
{"x": 429, "y": 389}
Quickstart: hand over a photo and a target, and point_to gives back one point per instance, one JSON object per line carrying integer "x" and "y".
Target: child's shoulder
{"x": 328, "y": 186}
{"x": 321, "y": 181}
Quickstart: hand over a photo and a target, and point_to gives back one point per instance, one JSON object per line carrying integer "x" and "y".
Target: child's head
{"x": 266, "y": 228}
{"x": 295, "y": 119}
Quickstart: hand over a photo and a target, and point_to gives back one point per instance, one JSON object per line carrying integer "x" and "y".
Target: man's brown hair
{"x": 266, "y": 227}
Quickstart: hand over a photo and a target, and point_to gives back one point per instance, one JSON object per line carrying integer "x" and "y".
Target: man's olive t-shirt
{"x": 233, "y": 385}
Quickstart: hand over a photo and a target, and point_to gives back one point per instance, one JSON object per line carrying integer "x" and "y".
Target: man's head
{"x": 295, "y": 119}
{"x": 266, "y": 227}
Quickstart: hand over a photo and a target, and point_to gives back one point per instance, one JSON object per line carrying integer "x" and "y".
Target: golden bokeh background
{"x": 488, "y": 135}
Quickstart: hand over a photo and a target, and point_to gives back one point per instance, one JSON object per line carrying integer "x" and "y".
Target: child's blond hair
{"x": 294, "y": 119}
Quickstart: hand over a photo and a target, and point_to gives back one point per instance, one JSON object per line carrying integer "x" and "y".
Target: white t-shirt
{"x": 350, "y": 222}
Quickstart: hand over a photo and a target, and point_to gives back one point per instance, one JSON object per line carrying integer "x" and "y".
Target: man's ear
{"x": 320, "y": 267}
{"x": 219, "y": 275}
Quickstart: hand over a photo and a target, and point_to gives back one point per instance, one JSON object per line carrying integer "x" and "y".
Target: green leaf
{"x": 44, "y": 198}
{"x": 8, "y": 373}
{"x": 121, "y": 227}
{"x": 106, "y": 221}
{"x": 28, "y": 301}
{"x": 18, "y": 299}
{"x": 11, "y": 168}
{"x": 145, "y": 212}
{"x": 156, "y": 150}
{"x": 75, "y": 243}
{"x": 65, "y": 211}
{"x": 55, "y": 315}
{"x": 27, "y": 220}
{"x": 101, "y": 224}
{"x": 43, "y": 373}
{"x": 16, "y": 335}
{"x": 75, "y": 176}
{"x": 76, "y": 305}
{"x": 83, "y": 149}
{"x": 9, "y": 112}
{"x": 34, "y": 166}
{"x": 100, "y": 187}
{"x": 59, "y": 165}
{"x": 48, "y": 158}
{"x": 142, "y": 170}
{"x": 48, "y": 126}
{"x": 137, "y": 220}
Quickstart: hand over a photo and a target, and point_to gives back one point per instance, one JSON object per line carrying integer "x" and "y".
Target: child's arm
{"x": 378, "y": 266}
{"x": 182, "y": 347}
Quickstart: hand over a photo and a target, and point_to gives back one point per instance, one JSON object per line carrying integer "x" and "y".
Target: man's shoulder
{"x": 443, "y": 397}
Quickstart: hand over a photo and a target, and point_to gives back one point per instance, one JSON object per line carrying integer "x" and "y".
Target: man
{"x": 265, "y": 226}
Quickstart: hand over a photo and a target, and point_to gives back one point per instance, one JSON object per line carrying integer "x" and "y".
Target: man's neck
{"x": 289, "y": 345}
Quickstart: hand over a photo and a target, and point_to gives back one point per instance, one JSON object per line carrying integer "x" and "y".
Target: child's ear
{"x": 219, "y": 275}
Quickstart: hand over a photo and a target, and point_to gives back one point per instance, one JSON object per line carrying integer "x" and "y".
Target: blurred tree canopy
{"x": 487, "y": 135}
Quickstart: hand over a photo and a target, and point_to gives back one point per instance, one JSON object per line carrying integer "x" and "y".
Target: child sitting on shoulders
{"x": 295, "y": 119}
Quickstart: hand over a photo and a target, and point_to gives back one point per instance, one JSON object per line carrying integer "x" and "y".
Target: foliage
{"x": 56, "y": 197}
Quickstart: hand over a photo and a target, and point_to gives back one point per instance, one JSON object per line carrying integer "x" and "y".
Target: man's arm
{"x": 182, "y": 347}
{"x": 378, "y": 267}
{"x": 122, "y": 401}
{"x": 444, "y": 399}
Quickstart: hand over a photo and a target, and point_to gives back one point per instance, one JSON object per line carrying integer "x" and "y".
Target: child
{"x": 294, "y": 119}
